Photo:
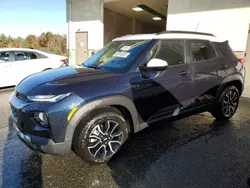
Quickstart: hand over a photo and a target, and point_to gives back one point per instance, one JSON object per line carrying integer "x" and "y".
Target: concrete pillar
{"x": 85, "y": 15}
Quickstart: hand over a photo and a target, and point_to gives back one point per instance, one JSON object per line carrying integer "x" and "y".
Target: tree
{"x": 3, "y": 41}
{"x": 48, "y": 41}
{"x": 31, "y": 42}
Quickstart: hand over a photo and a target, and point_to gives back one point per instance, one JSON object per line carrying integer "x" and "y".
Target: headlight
{"x": 12, "y": 94}
{"x": 47, "y": 98}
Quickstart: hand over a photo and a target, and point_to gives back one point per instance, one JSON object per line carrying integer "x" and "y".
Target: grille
{"x": 21, "y": 96}
{"x": 14, "y": 111}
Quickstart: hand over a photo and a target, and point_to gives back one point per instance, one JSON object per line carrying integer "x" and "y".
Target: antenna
{"x": 197, "y": 26}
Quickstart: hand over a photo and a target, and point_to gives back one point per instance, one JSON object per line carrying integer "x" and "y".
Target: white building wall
{"x": 228, "y": 19}
{"x": 86, "y": 15}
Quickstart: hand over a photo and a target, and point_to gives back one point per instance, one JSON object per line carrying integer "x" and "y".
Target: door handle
{"x": 224, "y": 66}
{"x": 184, "y": 73}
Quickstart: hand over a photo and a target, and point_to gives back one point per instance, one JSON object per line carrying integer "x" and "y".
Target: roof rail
{"x": 185, "y": 32}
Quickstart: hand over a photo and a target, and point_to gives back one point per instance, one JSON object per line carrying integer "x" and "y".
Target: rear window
{"x": 225, "y": 50}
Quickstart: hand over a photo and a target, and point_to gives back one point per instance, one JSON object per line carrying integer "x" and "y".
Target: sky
{"x": 25, "y": 17}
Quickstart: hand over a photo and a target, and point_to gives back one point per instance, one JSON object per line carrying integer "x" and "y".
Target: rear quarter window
{"x": 40, "y": 56}
{"x": 225, "y": 50}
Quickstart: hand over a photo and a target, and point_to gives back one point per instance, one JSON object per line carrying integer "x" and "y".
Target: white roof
{"x": 169, "y": 36}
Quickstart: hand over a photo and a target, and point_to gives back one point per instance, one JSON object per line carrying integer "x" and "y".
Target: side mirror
{"x": 155, "y": 65}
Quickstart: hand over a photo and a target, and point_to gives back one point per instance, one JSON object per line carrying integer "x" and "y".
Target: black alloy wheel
{"x": 227, "y": 104}
{"x": 230, "y": 103}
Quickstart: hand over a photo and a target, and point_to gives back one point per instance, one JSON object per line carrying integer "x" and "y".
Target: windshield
{"x": 118, "y": 56}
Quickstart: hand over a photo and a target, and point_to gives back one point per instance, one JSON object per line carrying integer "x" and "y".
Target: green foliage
{"x": 49, "y": 42}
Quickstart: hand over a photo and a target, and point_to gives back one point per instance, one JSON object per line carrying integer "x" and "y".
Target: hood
{"x": 62, "y": 76}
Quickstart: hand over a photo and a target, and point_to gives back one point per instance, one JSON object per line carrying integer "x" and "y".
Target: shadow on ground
{"x": 143, "y": 150}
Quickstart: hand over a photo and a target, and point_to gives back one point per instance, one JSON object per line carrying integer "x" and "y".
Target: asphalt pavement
{"x": 193, "y": 152}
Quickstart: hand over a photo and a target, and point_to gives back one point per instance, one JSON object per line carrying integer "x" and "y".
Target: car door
{"x": 19, "y": 66}
{"x": 163, "y": 93}
{"x": 28, "y": 62}
{"x": 205, "y": 68}
{"x": 7, "y": 77}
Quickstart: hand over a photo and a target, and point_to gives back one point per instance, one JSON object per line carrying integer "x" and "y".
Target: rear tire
{"x": 227, "y": 104}
{"x": 99, "y": 137}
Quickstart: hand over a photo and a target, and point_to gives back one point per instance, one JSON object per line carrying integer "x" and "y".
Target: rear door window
{"x": 22, "y": 56}
{"x": 202, "y": 50}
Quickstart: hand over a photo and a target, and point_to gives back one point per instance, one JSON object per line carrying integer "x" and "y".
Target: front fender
{"x": 99, "y": 103}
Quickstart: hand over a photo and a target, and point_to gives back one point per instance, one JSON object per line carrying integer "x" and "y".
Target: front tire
{"x": 99, "y": 137}
{"x": 227, "y": 104}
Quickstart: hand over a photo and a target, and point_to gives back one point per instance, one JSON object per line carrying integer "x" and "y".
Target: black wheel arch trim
{"x": 84, "y": 110}
{"x": 231, "y": 78}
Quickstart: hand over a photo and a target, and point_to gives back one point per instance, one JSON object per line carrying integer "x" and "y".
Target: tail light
{"x": 65, "y": 62}
{"x": 242, "y": 61}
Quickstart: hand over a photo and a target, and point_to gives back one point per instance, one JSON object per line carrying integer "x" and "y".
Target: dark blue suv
{"x": 125, "y": 87}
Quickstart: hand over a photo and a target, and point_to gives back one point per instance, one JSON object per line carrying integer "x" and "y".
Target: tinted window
{"x": 32, "y": 55}
{"x": 4, "y": 56}
{"x": 21, "y": 56}
{"x": 202, "y": 50}
{"x": 225, "y": 50}
{"x": 171, "y": 51}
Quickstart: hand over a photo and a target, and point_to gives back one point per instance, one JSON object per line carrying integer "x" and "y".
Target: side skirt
{"x": 181, "y": 113}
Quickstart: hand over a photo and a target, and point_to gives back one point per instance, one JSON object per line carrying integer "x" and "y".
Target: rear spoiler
{"x": 226, "y": 42}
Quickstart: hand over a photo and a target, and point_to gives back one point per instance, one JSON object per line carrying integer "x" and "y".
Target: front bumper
{"x": 49, "y": 140}
{"x": 41, "y": 144}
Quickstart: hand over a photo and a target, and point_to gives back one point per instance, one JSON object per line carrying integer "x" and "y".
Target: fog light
{"x": 41, "y": 118}
{"x": 27, "y": 138}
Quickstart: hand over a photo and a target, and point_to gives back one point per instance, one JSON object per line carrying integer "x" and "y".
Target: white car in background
{"x": 18, "y": 63}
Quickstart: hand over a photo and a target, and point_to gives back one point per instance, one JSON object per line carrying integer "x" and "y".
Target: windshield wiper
{"x": 93, "y": 67}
